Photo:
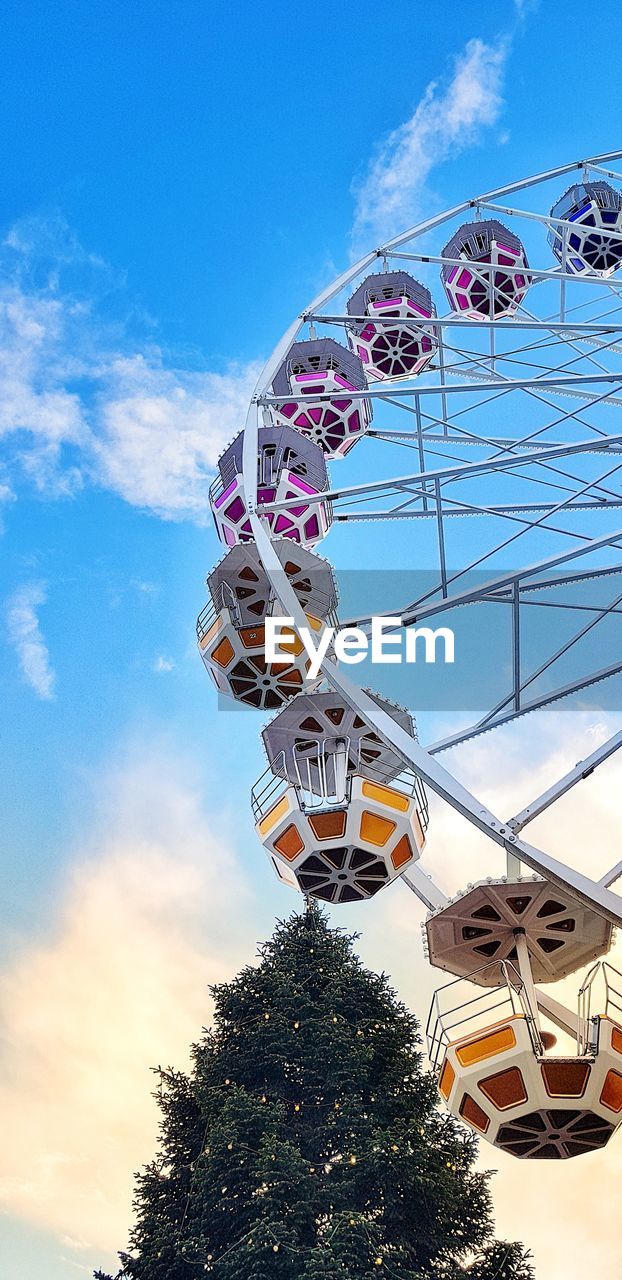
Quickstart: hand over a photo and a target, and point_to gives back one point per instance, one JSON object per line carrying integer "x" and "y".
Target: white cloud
{"x": 80, "y": 403}
{"x": 447, "y": 119}
{"x": 160, "y": 432}
{"x": 162, "y": 664}
{"x": 145, "y": 921}
{"x": 25, "y": 635}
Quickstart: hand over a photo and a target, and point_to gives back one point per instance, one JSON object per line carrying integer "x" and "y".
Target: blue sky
{"x": 177, "y": 182}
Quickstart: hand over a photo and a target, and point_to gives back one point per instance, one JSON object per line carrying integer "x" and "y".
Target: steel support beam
{"x": 584, "y": 769}
{"x": 501, "y": 462}
{"x": 425, "y": 889}
{"x": 558, "y": 1013}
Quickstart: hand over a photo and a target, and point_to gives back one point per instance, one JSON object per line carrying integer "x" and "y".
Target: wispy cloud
{"x": 524, "y": 8}
{"x": 149, "y": 590}
{"x": 81, "y": 403}
{"x": 84, "y": 403}
{"x": 39, "y": 416}
{"x": 449, "y": 118}
{"x": 162, "y": 664}
{"x": 25, "y": 635}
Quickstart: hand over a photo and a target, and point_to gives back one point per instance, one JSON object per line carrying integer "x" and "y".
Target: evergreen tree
{"x": 307, "y": 1143}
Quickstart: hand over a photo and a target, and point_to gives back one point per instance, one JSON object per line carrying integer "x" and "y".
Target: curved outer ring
{"x": 439, "y": 779}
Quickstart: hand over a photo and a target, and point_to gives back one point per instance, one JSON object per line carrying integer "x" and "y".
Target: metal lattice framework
{"x": 506, "y": 426}
{"x": 558, "y": 472}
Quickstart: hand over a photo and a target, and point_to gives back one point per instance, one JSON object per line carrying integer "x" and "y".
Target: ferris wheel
{"x": 484, "y": 346}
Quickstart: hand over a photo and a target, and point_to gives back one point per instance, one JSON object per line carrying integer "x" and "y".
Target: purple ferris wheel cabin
{"x": 317, "y": 368}
{"x": 392, "y": 350}
{"x": 594, "y": 208}
{"x": 485, "y": 293}
{"x": 289, "y": 466}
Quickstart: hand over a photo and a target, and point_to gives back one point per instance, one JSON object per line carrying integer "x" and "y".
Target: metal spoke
{"x": 534, "y": 393}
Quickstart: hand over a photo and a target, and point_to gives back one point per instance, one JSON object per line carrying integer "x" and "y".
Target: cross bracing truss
{"x": 512, "y": 428}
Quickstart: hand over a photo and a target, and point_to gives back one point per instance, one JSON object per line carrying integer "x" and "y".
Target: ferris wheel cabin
{"x": 231, "y": 628}
{"x": 390, "y": 350}
{"x": 290, "y": 468}
{"x": 495, "y": 1071}
{"x": 336, "y": 812}
{"x": 594, "y": 209}
{"x": 491, "y": 279}
{"x": 314, "y": 369}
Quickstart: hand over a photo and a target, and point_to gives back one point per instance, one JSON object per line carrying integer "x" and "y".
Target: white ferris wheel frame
{"x": 504, "y": 833}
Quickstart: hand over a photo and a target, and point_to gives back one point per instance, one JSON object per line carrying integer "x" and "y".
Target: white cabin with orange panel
{"x": 500, "y": 1080}
{"x": 349, "y": 851}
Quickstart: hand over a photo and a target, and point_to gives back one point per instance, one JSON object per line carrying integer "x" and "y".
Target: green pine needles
{"x": 307, "y": 1143}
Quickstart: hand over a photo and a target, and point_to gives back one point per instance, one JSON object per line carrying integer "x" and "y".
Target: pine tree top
{"x": 306, "y": 1143}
